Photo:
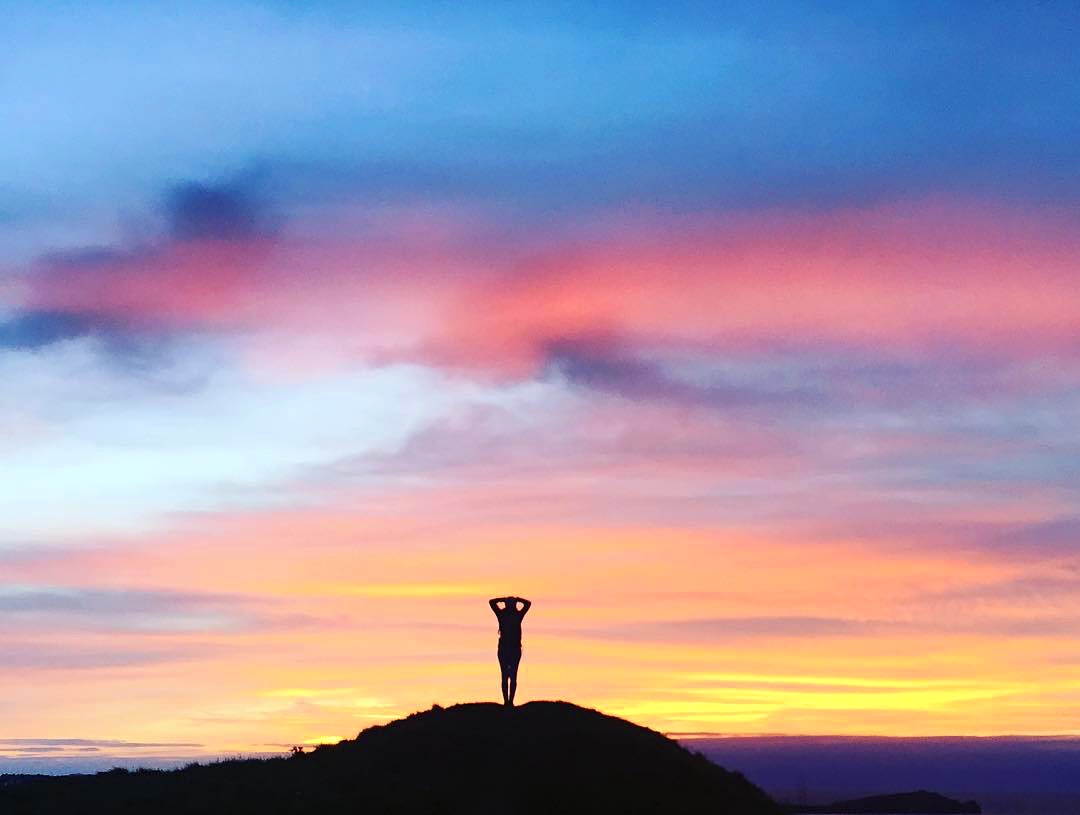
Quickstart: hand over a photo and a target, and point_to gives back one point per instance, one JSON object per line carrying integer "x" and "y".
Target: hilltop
{"x": 542, "y": 757}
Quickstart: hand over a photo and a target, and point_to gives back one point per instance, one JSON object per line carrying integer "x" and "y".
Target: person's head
{"x": 511, "y": 603}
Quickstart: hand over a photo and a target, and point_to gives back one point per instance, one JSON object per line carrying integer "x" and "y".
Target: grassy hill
{"x": 542, "y": 757}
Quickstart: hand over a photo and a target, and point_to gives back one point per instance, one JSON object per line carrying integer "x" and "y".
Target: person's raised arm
{"x": 494, "y": 603}
{"x": 525, "y": 605}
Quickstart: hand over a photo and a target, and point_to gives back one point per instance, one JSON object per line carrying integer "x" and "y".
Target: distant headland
{"x": 919, "y": 802}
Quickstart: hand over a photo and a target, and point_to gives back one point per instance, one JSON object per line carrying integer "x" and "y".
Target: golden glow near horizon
{"x": 659, "y": 636}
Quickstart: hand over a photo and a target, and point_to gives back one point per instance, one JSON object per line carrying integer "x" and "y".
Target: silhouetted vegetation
{"x": 543, "y": 757}
{"x": 920, "y": 802}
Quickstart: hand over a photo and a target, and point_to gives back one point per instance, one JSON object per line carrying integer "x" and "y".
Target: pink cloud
{"x": 905, "y": 279}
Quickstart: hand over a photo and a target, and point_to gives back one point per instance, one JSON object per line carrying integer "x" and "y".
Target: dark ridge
{"x": 919, "y": 802}
{"x": 542, "y": 757}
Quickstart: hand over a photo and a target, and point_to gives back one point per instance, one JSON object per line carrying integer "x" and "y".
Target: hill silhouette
{"x": 542, "y": 757}
{"x": 920, "y": 802}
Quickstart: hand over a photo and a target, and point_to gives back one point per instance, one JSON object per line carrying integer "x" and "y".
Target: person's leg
{"x": 504, "y": 669}
{"x": 513, "y": 678}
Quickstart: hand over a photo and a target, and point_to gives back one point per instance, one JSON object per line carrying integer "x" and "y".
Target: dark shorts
{"x": 509, "y": 654}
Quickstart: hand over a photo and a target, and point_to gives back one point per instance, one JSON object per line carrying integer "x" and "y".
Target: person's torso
{"x": 510, "y": 627}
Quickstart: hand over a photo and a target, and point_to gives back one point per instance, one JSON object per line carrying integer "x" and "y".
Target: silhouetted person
{"x": 509, "y": 641}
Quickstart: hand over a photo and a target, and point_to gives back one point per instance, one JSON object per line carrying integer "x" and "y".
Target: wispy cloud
{"x": 89, "y": 743}
{"x": 130, "y": 609}
{"x": 724, "y": 629}
{"x": 24, "y": 657}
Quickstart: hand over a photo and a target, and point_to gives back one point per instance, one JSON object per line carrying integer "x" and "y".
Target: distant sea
{"x": 1027, "y": 807}
{"x": 994, "y": 811}
{"x": 1009, "y": 775}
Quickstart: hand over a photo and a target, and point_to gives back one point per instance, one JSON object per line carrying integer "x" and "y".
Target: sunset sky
{"x": 742, "y": 339}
